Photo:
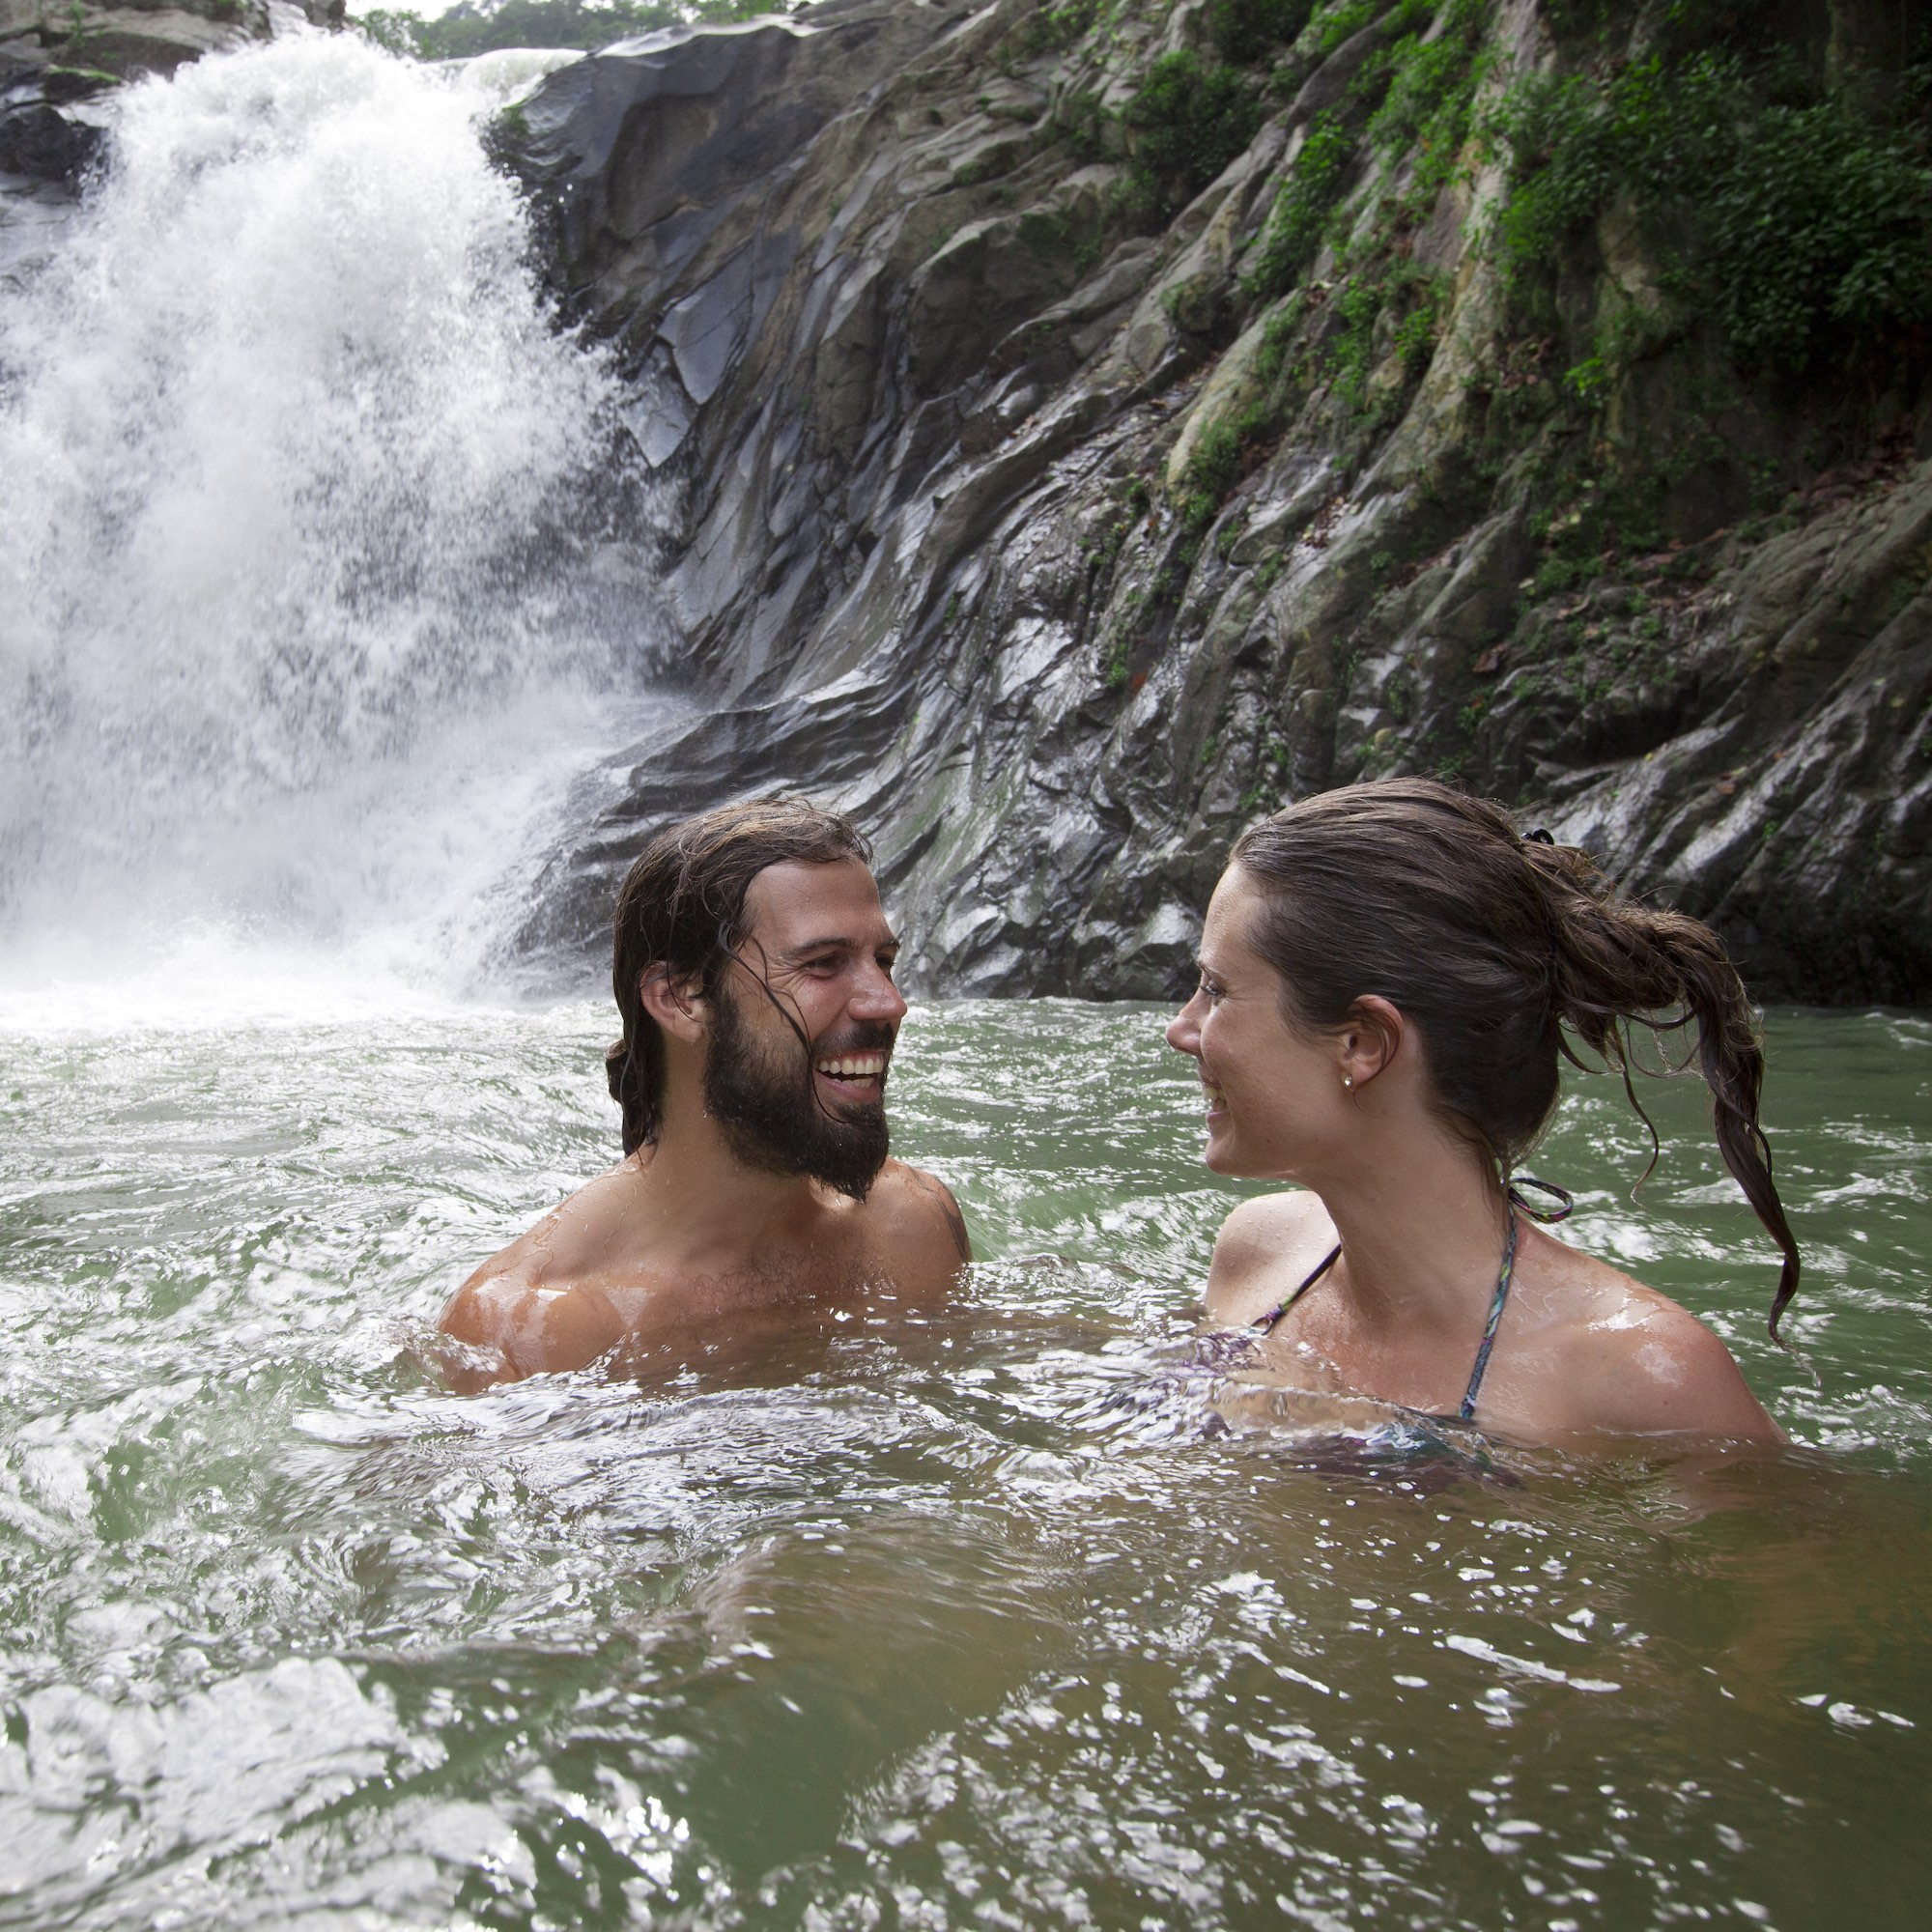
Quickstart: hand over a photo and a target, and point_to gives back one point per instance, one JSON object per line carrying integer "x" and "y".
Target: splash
{"x": 325, "y": 560}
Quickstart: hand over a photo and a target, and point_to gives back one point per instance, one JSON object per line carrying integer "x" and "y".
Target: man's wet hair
{"x": 682, "y": 908}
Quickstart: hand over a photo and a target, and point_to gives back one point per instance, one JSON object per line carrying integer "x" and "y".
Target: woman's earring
{"x": 1348, "y": 1080}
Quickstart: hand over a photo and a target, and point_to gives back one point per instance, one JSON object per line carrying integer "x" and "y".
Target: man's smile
{"x": 860, "y": 1072}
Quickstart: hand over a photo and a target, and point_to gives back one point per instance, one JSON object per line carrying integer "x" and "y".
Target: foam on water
{"x": 324, "y": 561}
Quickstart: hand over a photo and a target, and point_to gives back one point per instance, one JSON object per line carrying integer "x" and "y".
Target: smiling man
{"x": 754, "y": 973}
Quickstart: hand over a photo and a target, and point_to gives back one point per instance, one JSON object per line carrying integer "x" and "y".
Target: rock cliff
{"x": 1102, "y": 423}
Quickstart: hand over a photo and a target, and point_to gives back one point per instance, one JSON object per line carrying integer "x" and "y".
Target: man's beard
{"x": 773, "y": 1120}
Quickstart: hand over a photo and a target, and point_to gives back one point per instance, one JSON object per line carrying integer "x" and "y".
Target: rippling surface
{"x": 968, "y": 1624}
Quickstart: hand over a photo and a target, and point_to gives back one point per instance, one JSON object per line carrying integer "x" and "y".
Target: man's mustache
{"x": 861, "y": 1036}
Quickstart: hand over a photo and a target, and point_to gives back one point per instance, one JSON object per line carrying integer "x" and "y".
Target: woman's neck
{"x": 1421, "y": 1229}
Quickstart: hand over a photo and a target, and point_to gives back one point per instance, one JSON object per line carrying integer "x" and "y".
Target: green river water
{"x": 970, "y": 1624}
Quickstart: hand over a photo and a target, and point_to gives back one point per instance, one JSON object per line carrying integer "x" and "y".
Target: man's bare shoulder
{"x": 543, "y": 1302}
{"x": 915, "y": 1231}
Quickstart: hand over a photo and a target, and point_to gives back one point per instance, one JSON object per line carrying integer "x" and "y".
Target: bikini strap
{"x": 1315, "y": 1275}
{"x": 1467, "y": 1412}
{"x": 1565, "y": 1201}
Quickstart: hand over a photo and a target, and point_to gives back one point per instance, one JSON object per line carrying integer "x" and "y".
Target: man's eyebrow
{"x": 837, "y": 942}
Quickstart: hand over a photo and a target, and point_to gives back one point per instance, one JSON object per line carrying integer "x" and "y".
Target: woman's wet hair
{"x": 1500, "y": 950}
{"x": 682, "y": 907}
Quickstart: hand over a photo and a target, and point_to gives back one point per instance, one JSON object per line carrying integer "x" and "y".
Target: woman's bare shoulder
{"x": 1636, "y": 1363}
{"x": 1262, "y": 1240}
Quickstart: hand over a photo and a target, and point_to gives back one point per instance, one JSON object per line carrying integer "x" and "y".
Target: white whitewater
{"x": 324, "y": 562}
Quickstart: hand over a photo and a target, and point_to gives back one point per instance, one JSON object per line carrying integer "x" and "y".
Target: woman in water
{"x": 1386, "y": 976}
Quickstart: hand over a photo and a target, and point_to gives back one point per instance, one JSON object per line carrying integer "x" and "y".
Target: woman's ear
{"x": 1370, "y": 1039}
{"x": 675, "y": 1004}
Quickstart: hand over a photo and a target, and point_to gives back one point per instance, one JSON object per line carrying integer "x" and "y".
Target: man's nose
{"x": 876, "y": 998}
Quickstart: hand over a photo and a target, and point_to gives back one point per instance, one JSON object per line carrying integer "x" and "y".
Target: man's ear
{"x": 677, "y": 1005}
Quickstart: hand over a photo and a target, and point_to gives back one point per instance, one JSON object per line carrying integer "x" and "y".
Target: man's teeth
{"x": 854, "y": 1066}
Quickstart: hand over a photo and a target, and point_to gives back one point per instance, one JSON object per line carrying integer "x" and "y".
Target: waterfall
{"x": 324, "y": 557}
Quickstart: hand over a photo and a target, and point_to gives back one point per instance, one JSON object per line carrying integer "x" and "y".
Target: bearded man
{"x": 753, "y": 974}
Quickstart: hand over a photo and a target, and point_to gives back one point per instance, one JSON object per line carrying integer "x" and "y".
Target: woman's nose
{"x": 1183, "y": 1031}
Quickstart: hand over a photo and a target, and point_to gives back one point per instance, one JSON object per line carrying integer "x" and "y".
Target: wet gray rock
{"x": 936, "y": 400}
{"x": 55, "y": 61}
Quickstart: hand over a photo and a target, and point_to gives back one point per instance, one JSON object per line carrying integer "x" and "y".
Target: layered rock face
{"x": 1047, "y": 532}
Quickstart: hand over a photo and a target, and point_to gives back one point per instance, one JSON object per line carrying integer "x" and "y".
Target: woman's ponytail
{"x": 1620, "y": 965}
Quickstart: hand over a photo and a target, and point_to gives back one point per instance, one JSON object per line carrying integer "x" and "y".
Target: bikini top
{"x": 1564, "y": 1204}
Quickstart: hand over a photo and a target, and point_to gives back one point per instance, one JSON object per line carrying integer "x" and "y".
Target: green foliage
{"x": 1243, "y": 32}
{"x": 1390, "y": 314}
{"x": 1130, "y": 504}
{"x": 1302, "y": 207}
{"x": 1827, "y": 232}
{"x": 1277, "y": 334}
{"x": 1417, "y": 91}
{"x": 1429, "y": 102}
{"x": 1080, "y": 120}
{"x": 1054, "y": 29}
{"x": 1189, "y": 119}
{"x": 1340, "y": 20}
{"x": 1059, "y": 239}
{"x": 1219, "y": 456}
{"x": 1803, "y": 228}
